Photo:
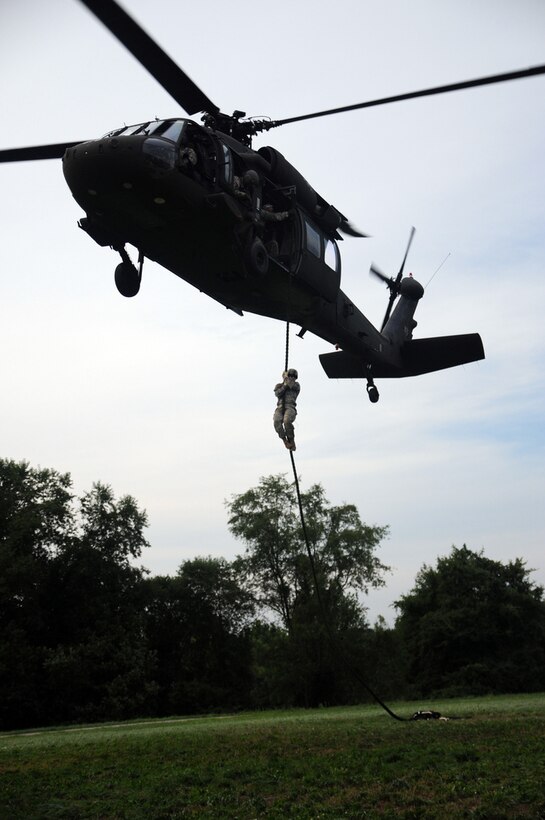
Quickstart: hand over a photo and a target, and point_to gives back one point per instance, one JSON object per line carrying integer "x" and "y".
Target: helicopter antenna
{"x": 437, "y": 270}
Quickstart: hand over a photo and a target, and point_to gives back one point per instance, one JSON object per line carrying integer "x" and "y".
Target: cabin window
{"x": 314, "y": 243}
{"x": 227, "y": 166}
{"x": 332, "y": 257}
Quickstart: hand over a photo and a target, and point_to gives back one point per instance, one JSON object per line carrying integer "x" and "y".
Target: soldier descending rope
{"x": 286, "y": 410}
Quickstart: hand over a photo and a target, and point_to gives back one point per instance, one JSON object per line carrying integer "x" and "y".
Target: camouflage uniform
{"x": 286, "y": 410}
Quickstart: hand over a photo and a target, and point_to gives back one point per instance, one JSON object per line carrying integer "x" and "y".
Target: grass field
{"x": 332, "y": 763}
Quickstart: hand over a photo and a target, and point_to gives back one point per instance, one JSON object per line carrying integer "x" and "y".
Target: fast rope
{"x": 287, "y": 345}
{"x": 333, "y": 639}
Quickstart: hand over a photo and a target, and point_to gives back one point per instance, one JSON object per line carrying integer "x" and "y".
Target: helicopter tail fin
{"x": 418, "y": 356}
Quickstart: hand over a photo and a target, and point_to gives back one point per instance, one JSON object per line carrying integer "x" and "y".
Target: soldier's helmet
{"x": 292, "y": 373}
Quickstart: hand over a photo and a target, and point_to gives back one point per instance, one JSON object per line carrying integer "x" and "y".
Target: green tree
{"x": 386, "y": 661}
{"x": 71, "y": 640}
{"x": 197, "y": 626}
{"x": 35, "y": 524}
{"x": 473, "y": 625}
{"x": 97, "y": 664}
{"x": 315, "y": 601}
{"x": 275, "y": 564}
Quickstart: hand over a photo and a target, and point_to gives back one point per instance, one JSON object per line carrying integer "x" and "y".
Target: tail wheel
{"x": 373, "y": 394}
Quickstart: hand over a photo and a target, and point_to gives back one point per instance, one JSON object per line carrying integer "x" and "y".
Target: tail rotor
{"x": 392, "y": 284}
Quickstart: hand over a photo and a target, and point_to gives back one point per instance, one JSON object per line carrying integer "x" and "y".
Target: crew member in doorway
{"x": 286, "y": 410}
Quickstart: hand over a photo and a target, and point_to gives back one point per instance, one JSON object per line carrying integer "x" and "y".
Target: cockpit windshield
{"x": 168, "y": 129}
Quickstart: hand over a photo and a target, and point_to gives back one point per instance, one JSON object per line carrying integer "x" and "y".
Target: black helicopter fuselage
{"x": 242, "y": 226}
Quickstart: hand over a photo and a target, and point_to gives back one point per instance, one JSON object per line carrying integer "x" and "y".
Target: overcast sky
{"x": 168, "y": 396}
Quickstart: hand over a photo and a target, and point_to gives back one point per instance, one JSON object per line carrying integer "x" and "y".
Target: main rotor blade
{"x": 151, "y": 56}
{"x": 349, "y": 229}
{"x": 426, "y": 92}
{"x": 55, "y": 151}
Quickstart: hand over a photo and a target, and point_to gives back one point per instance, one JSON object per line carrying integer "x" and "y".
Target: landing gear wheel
{"x": 373, "y": 393}
{"x": 127, "y": 279}
{"x": 256, "y": 257}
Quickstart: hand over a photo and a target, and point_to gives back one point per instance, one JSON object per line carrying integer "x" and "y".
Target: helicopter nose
{"x": 97, "y": 172}
{"x": 90, "y": 167}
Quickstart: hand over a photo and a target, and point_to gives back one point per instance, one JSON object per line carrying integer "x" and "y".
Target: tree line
{"x": 86, "y": 634}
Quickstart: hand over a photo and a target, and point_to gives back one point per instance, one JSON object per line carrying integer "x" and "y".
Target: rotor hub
{"x": 411, "y": 288}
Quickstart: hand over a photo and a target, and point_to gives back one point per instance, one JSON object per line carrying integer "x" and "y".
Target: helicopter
{"x": 241, "y": 225}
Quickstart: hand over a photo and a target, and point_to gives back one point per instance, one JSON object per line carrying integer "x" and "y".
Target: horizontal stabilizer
{"x": 427, "y": 355}
{"x": 417, "y": 356}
